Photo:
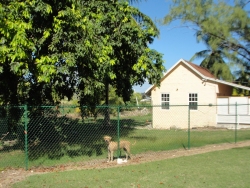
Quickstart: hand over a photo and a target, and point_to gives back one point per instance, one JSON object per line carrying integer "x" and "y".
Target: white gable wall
{"x": 179, "y": 83}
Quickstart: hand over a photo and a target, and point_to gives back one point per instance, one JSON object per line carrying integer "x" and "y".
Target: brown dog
{"x": 113, "y": 146}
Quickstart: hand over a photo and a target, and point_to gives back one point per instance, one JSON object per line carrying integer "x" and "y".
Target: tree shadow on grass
{"x": 56, "y": 137}
{"x": 11, "y": 141}
{"x": 53, "y": 136}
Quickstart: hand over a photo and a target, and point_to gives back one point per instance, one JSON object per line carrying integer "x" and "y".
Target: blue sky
{"x": 174, "y": 42}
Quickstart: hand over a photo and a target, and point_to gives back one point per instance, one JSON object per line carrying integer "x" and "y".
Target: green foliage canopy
{"x": 52, "y": 49}
{"x": 214, "y": 62}
{"x": 224, "y": 25}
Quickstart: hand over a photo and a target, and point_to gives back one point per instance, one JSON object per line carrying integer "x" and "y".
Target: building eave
{"x": 203, "y": 77}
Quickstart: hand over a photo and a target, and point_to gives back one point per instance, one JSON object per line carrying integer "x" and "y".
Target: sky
{"x": 174, "y": 43}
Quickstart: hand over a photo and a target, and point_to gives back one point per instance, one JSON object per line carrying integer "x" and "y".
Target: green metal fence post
{"x": 26, "y": 136}
{"x": 236, "y": 122}
{"x": 189, "y": 127}
{"x": 118, "y": 132}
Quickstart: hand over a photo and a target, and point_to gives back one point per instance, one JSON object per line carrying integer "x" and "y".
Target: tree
{"x": 130, "y": 46}
{"x": 224, "y": 25}
{"x": 243, "y": 79}
{"x": 75, "y": 45}
{"x": 214, "y": 62}
{"x": 53, "y": 49}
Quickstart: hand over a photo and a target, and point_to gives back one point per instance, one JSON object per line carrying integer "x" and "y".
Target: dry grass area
{"x": 10, "y": 176}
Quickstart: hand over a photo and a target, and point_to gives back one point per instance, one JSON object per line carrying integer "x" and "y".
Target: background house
{"x": 188, "y": 86}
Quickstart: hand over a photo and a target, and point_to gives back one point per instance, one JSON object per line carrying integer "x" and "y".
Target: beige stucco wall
{"x": 179, "y": 83}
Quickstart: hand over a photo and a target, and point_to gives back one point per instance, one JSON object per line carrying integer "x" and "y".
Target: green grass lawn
{"x": 228, "y": 168}
{"x": 146, "y": 140}
{"x": 63, "y": 140}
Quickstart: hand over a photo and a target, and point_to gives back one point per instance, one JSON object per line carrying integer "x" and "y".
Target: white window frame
{"x": 166, "y": 101}
{"x": 193, "y": 99}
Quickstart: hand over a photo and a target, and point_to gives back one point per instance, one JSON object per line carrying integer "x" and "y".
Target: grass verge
{"x": 228, "y": 168}
{"x": 146, "y": 140}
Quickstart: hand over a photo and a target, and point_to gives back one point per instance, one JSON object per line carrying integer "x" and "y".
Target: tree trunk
{"x": 106, "y": 109}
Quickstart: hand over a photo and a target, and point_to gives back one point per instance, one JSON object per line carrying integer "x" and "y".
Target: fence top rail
{"x": 115, "y": 106}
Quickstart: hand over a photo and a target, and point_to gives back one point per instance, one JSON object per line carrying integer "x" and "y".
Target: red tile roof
{"x": 202, "y": 70}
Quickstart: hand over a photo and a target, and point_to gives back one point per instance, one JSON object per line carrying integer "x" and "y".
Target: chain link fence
{"x": 43, "y": 136}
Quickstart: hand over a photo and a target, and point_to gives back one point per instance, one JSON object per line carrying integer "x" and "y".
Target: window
{"x": 193, "y": 101}
{"x": 165, "y": 101}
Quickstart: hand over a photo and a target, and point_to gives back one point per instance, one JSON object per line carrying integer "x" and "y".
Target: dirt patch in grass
{"x": 10, "y": 176}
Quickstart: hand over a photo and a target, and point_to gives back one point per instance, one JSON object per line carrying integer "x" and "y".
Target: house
{"x": 190, "y": 95}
